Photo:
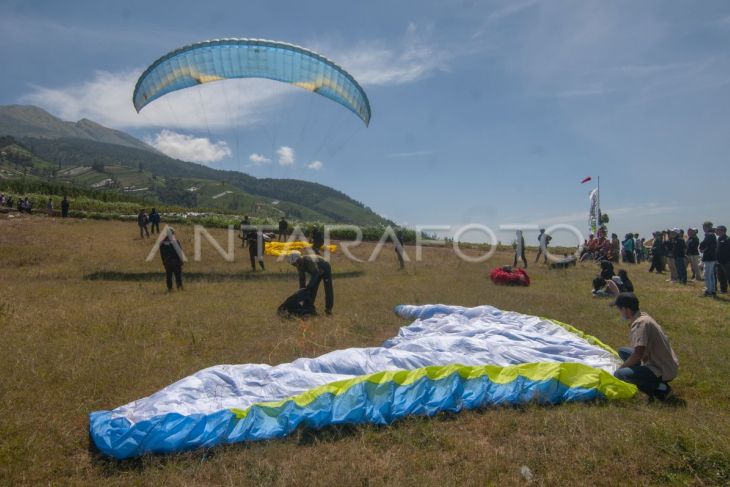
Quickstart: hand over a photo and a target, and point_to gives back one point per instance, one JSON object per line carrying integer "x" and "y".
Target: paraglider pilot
{"x": 172, "y": 259}
{"x": 319, "y": 270}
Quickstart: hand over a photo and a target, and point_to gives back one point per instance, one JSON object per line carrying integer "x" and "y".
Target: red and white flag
{"x": 586, "y": 180}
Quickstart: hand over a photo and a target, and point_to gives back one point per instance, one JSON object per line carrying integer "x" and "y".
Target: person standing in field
{"x": 142, "y": 221}
{"x": 693, "y": 253}
{"x": 520, "y": 249}
{"x": 172, "y": 260}
{"x": 628, "y": 245}
{"x": 723, "y": 258}
{"x": 283, "y": 229}
{"x": 649, "y": 363}
{"x": 399, "y": 248}
{"x": 256, "y": 248}
{"x": 317, "y": 240}
{"x": 656, "y": 254}
{"x": 543, "y": 240}
{"x": 64, "y": 207}
{"x": 679, "y": 249}
{"x": 319, "y": 270}
{"x": 669, "y": 255}
{"x": 708, "y": 247}
{"x": 245, "y": 223}
{"x": 155, "y": 221}
{"x": 49, "y": 207}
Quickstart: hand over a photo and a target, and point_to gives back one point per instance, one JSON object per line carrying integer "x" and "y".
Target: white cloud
{"x": 286, "y": 155}
{"x": 259, "y": 159}
{"x": 106, "y": 98}
{"x": 388, "y": 63}
{"x": 315, "y": 165}
{"x": 188, "y": 147}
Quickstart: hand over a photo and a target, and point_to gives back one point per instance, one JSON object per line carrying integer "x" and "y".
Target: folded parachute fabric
{"x": 285, "y": 248}
{"x": 509, "y": 276}
{"x": 448, "y": 359}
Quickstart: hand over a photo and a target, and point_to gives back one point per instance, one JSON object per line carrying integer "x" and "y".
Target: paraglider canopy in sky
{"x": 221, "y": 59}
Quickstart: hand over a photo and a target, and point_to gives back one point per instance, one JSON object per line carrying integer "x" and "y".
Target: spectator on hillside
{"x": 723, "y": 258}
{"x": 708, "y": 247}
{"x": 638, "y": 249}
{"x": 628, "y": 245}
{"x": 626, "y": 284}
{"x": 64, "y": 207}
{"x": 679, "y": 252}
{"x": 606, "y": 269}
{"x": 603, "y": 288}
{"x": 649, "y": 363}
{"x": 615, "y": 248}
{"x": 172, "y": 259}
{"x": 49, "y": 207}
{"x": 142, "y": 222}
{"x": 657, "y": 254}
{"x": 693, "y": 253}
{"x": 283, "y": 229}
{"x": 669, "y": 255}
{"x": 2, "y": 199}
{"x": 9, "y": 201}
{"x": 155, "y": 221}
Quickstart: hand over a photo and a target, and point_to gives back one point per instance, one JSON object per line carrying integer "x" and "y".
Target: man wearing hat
{"x": 693, "y": 253}
{"x": 649, "y": 363}
{"x": 723, "y": 258}
{"x": 319, "y": 270}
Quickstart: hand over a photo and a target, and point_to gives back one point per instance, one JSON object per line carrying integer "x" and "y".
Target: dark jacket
{"x": 657, "y": 247}
{"x": 723, "y": 249}
{"x": 679, "y": 248}
{"x": 709, "y": 247}
{"x": 155, "y": 217}
{"x": 693, "y": 245}
{"x": 315, "y": 266}
{"x": 170, "y": 257}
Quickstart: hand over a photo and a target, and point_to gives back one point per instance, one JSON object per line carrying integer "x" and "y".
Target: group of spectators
{"x": 684, "y": 254}
{"x": 600, "y": 247}
{"x": 708, "y": 259}
{"x": 24, "y": 205}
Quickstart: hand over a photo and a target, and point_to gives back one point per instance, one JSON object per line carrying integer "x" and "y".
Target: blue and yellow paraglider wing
{"x": 215, "y": 60}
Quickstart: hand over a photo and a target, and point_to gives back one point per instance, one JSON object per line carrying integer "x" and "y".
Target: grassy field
{"x": 86, "y": 324}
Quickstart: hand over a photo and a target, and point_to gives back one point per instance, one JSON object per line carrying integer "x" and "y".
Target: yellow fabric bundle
{"x": 285, "y": 248}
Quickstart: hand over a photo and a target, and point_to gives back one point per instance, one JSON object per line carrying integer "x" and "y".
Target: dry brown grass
{"x": 70, "y": 345}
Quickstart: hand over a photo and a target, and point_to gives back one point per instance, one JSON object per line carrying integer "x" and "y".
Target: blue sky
{"x": 488, "y": 112}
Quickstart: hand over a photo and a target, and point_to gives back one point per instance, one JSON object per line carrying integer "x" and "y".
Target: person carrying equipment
{"x": 319, "y": 270}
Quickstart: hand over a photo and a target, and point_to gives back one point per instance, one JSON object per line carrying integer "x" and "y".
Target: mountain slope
{"x": 31, "y": 121}
{"x": 113, "y": 166}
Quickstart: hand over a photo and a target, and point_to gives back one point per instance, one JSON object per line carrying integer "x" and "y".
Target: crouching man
{"x": 650, "y": 362}
{"x": 319, "y": 270}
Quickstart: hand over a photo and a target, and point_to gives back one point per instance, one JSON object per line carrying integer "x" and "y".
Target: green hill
{"x": 41, "y": 147}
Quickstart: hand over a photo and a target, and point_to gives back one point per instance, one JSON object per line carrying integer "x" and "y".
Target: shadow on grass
{"x": 207, "y": 276}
